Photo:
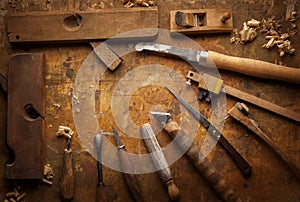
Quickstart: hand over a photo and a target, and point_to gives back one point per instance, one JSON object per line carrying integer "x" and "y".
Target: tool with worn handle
{"x": 240, "y": 112}
{"x": 242, "y": 164}
{"x": 222, "y": 188}
{"x": 130, "y": 179}
{"x": 159, "y": 160}
{"x": 101, "y": 195}
{"x": 215, "y": 86}
{"x": 242, "y": 65}
{"x": 67, "y": 181}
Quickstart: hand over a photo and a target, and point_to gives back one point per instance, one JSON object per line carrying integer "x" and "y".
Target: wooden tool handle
{"x": 101, "y": 193}
{"x": 67, "y": 181}
{"x": 159, "y": 160}
{"x": 131, "y": 179}
{"x": 255, "y": 67}
{"x": 222, "y": 188}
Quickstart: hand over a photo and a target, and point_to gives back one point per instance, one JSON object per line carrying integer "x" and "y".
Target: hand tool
{"x": 101, "y": 195}
{"x": 222, "y": 188}
{"x": 159, "y": 160}
{"x": 130, "y": 179}
{"x": 213, "y": 59}
{"x": 216, "y": 86}
{"x": 25, "y": 106}
{"x": 240, "y": 112}
{"x": 242, "y": 164}
{"x": 67, "y": 181}
{"x": 107, "y": 56}
{"x": 199, "y": 21}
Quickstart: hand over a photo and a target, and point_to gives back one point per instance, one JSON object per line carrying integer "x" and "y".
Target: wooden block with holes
{"x": 197, "y": 21}
{"x": 81, "y": 26}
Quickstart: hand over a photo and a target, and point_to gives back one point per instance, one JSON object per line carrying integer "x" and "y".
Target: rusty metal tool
{"x": 130, "y": 179}
{"x": 240, "y": 112}
{"x": 101, "y": 195}
{"x": 67, "y": 180}
{"x": 159, "y": 161}
{"x": 197, "y": 158}
{"x": 216, "y": 86}
{"x": 242, "y": 164}
{"x": 213, "y": 59}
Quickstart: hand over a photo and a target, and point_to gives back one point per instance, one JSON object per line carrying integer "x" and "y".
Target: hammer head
{"x": 161, "y": 117}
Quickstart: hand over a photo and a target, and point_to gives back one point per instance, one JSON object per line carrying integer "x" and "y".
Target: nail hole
{"x": 73, "y": 22}
{"x": 191, "y": 74}
{"x": 17, "y": 37}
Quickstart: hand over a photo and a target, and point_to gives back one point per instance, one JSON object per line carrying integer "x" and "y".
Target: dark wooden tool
{"x": 25, "y": 124}
{"x": 67, "y": 180}
{"x": 240, "y": 112}
{"x": 130, "y": 179}
{"x": 242, "y": 164}
{"x": 108, "y": 57}
{"x": 222, "y": 188}
{"x": 197, "y": 21}
{"x": 216, "y": 86}
{"x": 159, "y": 161}
{"x": 101, "y": 189}
{"x": 81, "y": 25}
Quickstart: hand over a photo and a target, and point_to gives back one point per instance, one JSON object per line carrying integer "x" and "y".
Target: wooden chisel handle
{"x": 222, "y": 188}
{"x": 67, "y": 181}
{"x": 131, "y": 179}
{"x": 159, "y": 161}
{"x": 254, "y": 67}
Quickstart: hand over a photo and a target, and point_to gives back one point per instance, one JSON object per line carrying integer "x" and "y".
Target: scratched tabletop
{"x": 271, "y": 178}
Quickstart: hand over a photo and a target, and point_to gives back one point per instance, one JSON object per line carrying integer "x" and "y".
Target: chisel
{"x": 222, "y": 188}
{"x": 246, "y": 66}
{"x": 242, "y": 164}
{"x": 130, "y": 179}
{"x": 67, "y": 181}
{"x": 159, "y": 160}
{"x": 101, "y": 195}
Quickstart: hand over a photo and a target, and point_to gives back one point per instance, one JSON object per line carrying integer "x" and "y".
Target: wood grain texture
{"x": 67, "y": 181}
{"x": 25, "y": 131}
{"x": 80, "y": 26}
{"x": 209, "y": 19}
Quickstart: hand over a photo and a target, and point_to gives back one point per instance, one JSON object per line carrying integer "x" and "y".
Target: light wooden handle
{"x": 222, "y": 188}
{"x": 67, "y": 181}
{"x": 254, "y": 67}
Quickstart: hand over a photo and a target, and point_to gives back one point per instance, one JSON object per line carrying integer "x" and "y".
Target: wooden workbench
{"x": 271, "y": 179}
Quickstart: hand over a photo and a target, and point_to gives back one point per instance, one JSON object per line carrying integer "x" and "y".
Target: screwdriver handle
{"x": 159, "y": 161}
{"x": 222, "y": 188}
{"x": 254, "y": 67}
{"x": 131, "y": 179}
{"x": 67, "y": 181}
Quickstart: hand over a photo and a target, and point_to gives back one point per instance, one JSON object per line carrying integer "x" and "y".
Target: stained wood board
{"x": 25, "y": 131}
{"x": 208, "y": 21}
{"x": 81, "y": 26}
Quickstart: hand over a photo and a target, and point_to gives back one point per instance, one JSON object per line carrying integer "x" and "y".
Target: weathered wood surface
{"x": 80, "y": 26}
{"x": 25, "y": 128}
{"x": 271, "y": 180}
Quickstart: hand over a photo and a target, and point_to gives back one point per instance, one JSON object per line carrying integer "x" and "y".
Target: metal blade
{"x": 199, "y": 117}
{"x": 161, "y": 117}
{"x": 117, "y": 138}
{"x": 190, "y": 55}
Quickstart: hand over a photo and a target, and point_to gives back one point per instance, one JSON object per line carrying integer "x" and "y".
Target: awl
{"x": 222, "y": 188}
{"x": 130, "y": 179}
{"x": 247, "y": 66}
{"x": 242, "y": 164}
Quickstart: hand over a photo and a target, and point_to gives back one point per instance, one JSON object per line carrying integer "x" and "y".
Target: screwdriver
{"x": 67, "y": 181}
{"x": 101, "y": 196}
{"x": 130, "y": 179}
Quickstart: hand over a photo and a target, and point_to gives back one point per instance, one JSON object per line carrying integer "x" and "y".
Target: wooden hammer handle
{"x": 67, "y": 181}
{"x": 254, "y": 67}
{"x": 222, "y": 188}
